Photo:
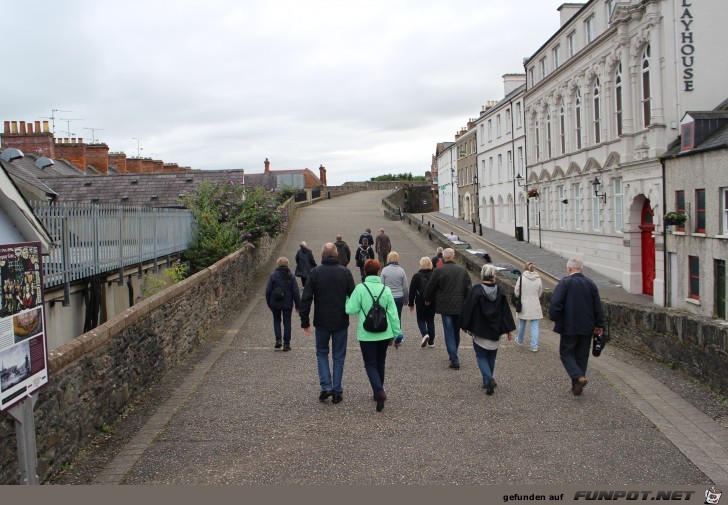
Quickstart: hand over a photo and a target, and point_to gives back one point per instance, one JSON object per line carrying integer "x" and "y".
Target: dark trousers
{"x": 374, "y": 355}
{"x": 426, "y": 322}
{"x": 282, "y": 315}
{"x": 303, "y": 281}
{"x": 574, "y": 352}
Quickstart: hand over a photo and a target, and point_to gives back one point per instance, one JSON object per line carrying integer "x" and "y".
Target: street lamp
{"x": 525, "y": 186}
{"x": 597, "y": 183}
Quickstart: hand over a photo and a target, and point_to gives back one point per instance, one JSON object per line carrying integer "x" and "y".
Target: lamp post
{"x": 538, "y": 223}
{"x": 524, "y": 184}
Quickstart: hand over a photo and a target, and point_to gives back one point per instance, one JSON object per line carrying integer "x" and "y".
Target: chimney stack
{"x": 97, "y": 155}
{"x": 267, "y": 166}
{"x": 322, "y": 175}
{"x": 73, "y": 152}
{"x": 27, "y": 139}
{"x": 118, "y": 160}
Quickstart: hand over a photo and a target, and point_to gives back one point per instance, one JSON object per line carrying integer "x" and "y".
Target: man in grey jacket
{"x": 448, "y": 287}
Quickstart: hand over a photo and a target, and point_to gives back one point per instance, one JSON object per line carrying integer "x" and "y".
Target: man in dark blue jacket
{"x": 328, "y": 286}
{"x": 577, "y": 310}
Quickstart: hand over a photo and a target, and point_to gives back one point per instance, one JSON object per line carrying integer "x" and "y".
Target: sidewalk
{"x": 547, "y": 262}
{"x": 247, "y": 414}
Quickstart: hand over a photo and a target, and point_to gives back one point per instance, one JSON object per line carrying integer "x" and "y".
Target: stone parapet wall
{"x": 95, "y": 375}
{"x": 695, "y": 344}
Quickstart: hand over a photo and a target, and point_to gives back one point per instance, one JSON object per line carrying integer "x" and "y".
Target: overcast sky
{"x": 364, "y": 88}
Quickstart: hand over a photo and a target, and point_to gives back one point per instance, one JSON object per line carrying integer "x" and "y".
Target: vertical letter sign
{"x": 23, "y": 350}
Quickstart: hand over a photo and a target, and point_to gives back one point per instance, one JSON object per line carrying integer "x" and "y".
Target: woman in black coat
{"x": 304, "y": 262}
{"x": 425, "y": 313}
{"x": 363, "y": 253}
{"x": 281, "y": 295}
{"x": 486, "y": 316}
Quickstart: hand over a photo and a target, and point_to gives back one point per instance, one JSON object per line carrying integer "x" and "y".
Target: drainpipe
{"x": 525, "y": 156}
{"x": 513, "y": 169}
{"x": 664, "y": 236}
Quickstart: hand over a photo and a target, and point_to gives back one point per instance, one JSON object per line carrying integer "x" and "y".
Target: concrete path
{"x": 248, "y": 414}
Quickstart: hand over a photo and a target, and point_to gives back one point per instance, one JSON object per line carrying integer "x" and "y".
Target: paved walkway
{"x": 248, "y": 414}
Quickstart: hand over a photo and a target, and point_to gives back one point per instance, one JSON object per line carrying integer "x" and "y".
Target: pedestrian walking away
{"x": 447, "y": 288}
{"x": 382, "y": 246}
{"x": 344, "y": 252}
{"x": 328, "y": 286}
{"x": 528, "y": 289}
{"x": 374, "y": 344}
{"x": 486, "y": 317}
{"x": 437, "y": 260}
{"x": 304, "y": 262}
{"x": 577, "y": 311}
{"x": 281, "y": 295}
{"x": 367, "y": 234}
{"x": 395, "y": 278}
{"x": 364, "y": 252}
{"x": 425, "y": 313}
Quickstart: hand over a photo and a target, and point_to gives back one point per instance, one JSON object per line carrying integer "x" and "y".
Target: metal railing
{"x": 95, "y": 239}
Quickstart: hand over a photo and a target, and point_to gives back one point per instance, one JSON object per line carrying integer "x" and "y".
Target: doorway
{"x": 647, "y": 228}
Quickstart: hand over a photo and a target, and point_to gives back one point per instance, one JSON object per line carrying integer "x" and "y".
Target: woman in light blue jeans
{"x": 529, "y": 289}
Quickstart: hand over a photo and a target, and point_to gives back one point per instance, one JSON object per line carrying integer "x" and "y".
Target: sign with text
{"x": 23, "y": 349}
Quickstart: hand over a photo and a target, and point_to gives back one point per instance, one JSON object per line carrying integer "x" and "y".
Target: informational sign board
{"x": 23, "y": 348}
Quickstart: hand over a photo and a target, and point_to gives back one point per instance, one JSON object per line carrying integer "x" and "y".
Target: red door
{"x": 648, "y": 249}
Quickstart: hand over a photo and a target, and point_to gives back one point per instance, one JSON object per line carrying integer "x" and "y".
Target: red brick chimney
{"x": 73, "y": 151}
{"x": 134, "y": 165}
{"x": 118, "y": 160}
{"x": 147, "y": 166}
{"x": 267, "y": 166}
{"x": 29, "y": 140}
{"x": 97, "y": 155}
{"x": 157, "y": 166}
{"x": 322, "y": 175}
{"x": 170, "y": 167}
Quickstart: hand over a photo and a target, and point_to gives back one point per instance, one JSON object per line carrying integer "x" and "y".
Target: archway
{"x": 647, "y": 227}
{"x": 467, "y": 208}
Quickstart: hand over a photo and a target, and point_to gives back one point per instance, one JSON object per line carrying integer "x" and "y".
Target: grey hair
{"x": 487, "y": 273}
{"x": 575, "y": 264}
{"x": 439, "y": 250}
{"x": 448, "y": 253}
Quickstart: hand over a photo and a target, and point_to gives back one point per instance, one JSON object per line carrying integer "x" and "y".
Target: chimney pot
{"x": 30, "y": 128}
{"x": 267, "y": 166}
{"x": 46, "y": 129}
{"x": 22, "y": 127}
{"x": 7, "y": 126}
{"x": 37, "y": 127}
{"x": 14, "y": 127}
{"x": 80, "y": 140}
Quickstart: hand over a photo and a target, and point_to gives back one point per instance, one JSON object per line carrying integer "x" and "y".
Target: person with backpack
{"x": 344, "y": 251}
{"x": 281, "y": 294}
{"x": 378, "y": 325}
{"x": 363, "y": 253}
{"x": 425, "y": 313}
{"x": 437, "y": 259}
{"x": 486, "y": 317}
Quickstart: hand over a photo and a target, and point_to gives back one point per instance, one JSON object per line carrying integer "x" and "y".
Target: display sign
{"x": 23, "y": 349}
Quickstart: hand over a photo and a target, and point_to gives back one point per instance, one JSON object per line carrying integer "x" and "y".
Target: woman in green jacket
{"x": 374, "y": 345}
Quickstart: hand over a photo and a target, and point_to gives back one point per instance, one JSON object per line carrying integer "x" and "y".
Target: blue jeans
{"x": 338, "y": 354}
{"x": 286, "y": 316}
{"x": 451, "y": 329}
{"x": 486, "y": 362}
{"x": 574, "y": 353}
{"x": 375, "y": 356}
{"x": 534, "y": 332}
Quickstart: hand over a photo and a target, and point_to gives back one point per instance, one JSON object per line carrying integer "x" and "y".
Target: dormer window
{"x": 687, "y": 136}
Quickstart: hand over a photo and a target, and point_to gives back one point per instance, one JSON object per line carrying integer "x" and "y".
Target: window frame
{"x": 519, "y": 115}
{"x": 556, "y": 54}
{"x": 694, "y": 276}
{"x": 590, "y": 29}
{"x": 562, "y": 206}
{"x": 577, "y": 118}
{"x": 548, "y": 135}
{"x": 577, "y": 205}
{"x": 490, "y": 130}
{"x": 646, "y": 87}
{"x": 562, "y": 127}
{"x": 700, "y": 211}
{"x": 543, "y": 67}
{"x": 596, "y": 213}
{"x": 618, "y": 191}
{"x": 498, "y": 126}
{"x": 571, "y": 44}
{"x": 597, "y": 112}
{"x": 680, "y": 206}
{"x": 618, "y": 100}
{"x": 508, "y": 120}
{"x": 723, "y": 194}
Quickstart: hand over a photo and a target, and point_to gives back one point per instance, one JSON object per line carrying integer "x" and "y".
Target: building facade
{"x": 604, "y": 98}
{"x": 467, "y": 159}
{"x": 446, "y": 160}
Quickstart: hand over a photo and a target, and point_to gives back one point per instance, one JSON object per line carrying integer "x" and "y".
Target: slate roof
{"x": 160, "y": 190}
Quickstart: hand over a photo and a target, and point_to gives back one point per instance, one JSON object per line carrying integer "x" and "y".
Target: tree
{"x": 398, "y": 177}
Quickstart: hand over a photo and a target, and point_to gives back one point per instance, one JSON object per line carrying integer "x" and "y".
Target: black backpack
{"x": 376, "y": 319}
{"x": 278, "y": 292}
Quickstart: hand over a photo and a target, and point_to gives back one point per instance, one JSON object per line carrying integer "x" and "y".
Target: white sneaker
{"x": 430, "y": 345}
{"x": 534, "y": 349}
{"x": 425, "y": 339}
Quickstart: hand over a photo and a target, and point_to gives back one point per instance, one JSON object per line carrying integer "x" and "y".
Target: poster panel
{"x": 23, "y": 348}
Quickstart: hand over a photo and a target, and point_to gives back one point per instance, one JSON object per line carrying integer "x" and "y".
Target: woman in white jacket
{"x": 529, "y": 288}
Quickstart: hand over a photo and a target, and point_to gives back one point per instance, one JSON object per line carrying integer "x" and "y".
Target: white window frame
{"x": 508, "y": 120}
{"x": 724, "y": 211}
{"x": 532, "y": 76}
{"x": 578, "y": 118}
{"x": 509, "y": 167}
{"x": 589, "y": 29}
{"x": 562, "y": 127}
{"x": 562, "y": 206}
{"x": 618, "y": 203}
{"x": 596, "y": 213}
{"x": 537, "y": 140}
{"x": 618, "y": 101}
{"x": 548, "y": 135}
{"x": 490, "y": 169}
{"x": 610, "y": 5}
{"x": 519, "y": 115}
{"x": 490, "y": 130}
{"x": 482, "y": 134}
{"x": 498, "y": 127}
{"x": 520, "y": 161}
{"x": 542, "y": 67}
{"x": 646, "y": 94}
{"x": 556, "y": 52}
{"x": 500, "y": 168}
{"x": 597, "y": 112}
{"x": 571, "y": 44}
{"x": 577, "y": 205}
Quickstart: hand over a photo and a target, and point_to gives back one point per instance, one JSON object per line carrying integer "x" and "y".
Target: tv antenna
{"x": 93, "y": 133}
{"x": 52, "y": 117}
{"x": 139, "y": 149}
{"x": 68, "y": 123}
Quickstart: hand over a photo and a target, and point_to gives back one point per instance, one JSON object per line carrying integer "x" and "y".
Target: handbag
{"x": 599, "y": 341}
{"x": 516, "y": 299}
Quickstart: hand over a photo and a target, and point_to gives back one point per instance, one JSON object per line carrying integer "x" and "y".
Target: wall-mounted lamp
{"x": 519, "y": 180}
{"x": 597, "y": 184}
{"x": 565, "y": 201}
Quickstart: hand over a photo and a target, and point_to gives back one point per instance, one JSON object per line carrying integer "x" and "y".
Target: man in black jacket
{"x": 448, "y": 287}
{"x": 343, "y": 250}
{"x": 328, "y": 285}
{"x": 577, "y": 310}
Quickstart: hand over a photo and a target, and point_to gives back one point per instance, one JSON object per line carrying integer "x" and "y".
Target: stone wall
{"x": 353, "y": 187}
{"x": 95, "y": 375}
{"x": 698, "y": 345}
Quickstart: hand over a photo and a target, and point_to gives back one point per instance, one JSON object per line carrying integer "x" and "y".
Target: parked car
{"x": 481, "y": 253}
{"x": 508, "y": 271}
{"x": 461, "y": 245}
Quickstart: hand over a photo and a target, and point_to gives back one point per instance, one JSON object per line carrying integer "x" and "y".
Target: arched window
{"x": 548, "y": 134}
{"x": 597, "y": 113}
{"x": 646, "y": 89}
{"x": 510, "y": 209}
{"x": 577, "y": 118}
{"x": 562, "y": 128}
{"x": 618, "y": 98}
{"x": 501, "y": 209}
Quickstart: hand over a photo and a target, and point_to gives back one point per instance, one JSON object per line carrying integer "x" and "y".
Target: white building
{"x": 604, "y": 98}
{"x": 446, "y": 158}
{"x": 501, "y": 156}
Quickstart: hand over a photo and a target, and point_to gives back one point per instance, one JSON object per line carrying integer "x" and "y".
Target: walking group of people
{"x": 440, "y": 286}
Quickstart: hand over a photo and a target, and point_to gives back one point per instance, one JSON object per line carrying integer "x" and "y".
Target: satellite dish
{"x": 11, "y": 154}
{"x": 43, "y": 162}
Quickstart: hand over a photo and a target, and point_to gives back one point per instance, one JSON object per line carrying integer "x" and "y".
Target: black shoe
{"x": 454, "y": 366}
{"x": 278, "y": 345}
{"x": 380, "y": 401}
{"x": 337, "y": 397}
{"x": 490, "y": 387}
{"x": 325, "y": 394}
{"x": 287, "y": 347}
{"x": 578, "y": 386}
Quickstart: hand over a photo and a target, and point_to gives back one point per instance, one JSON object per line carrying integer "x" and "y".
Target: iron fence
{"x": 95, "y": 239}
